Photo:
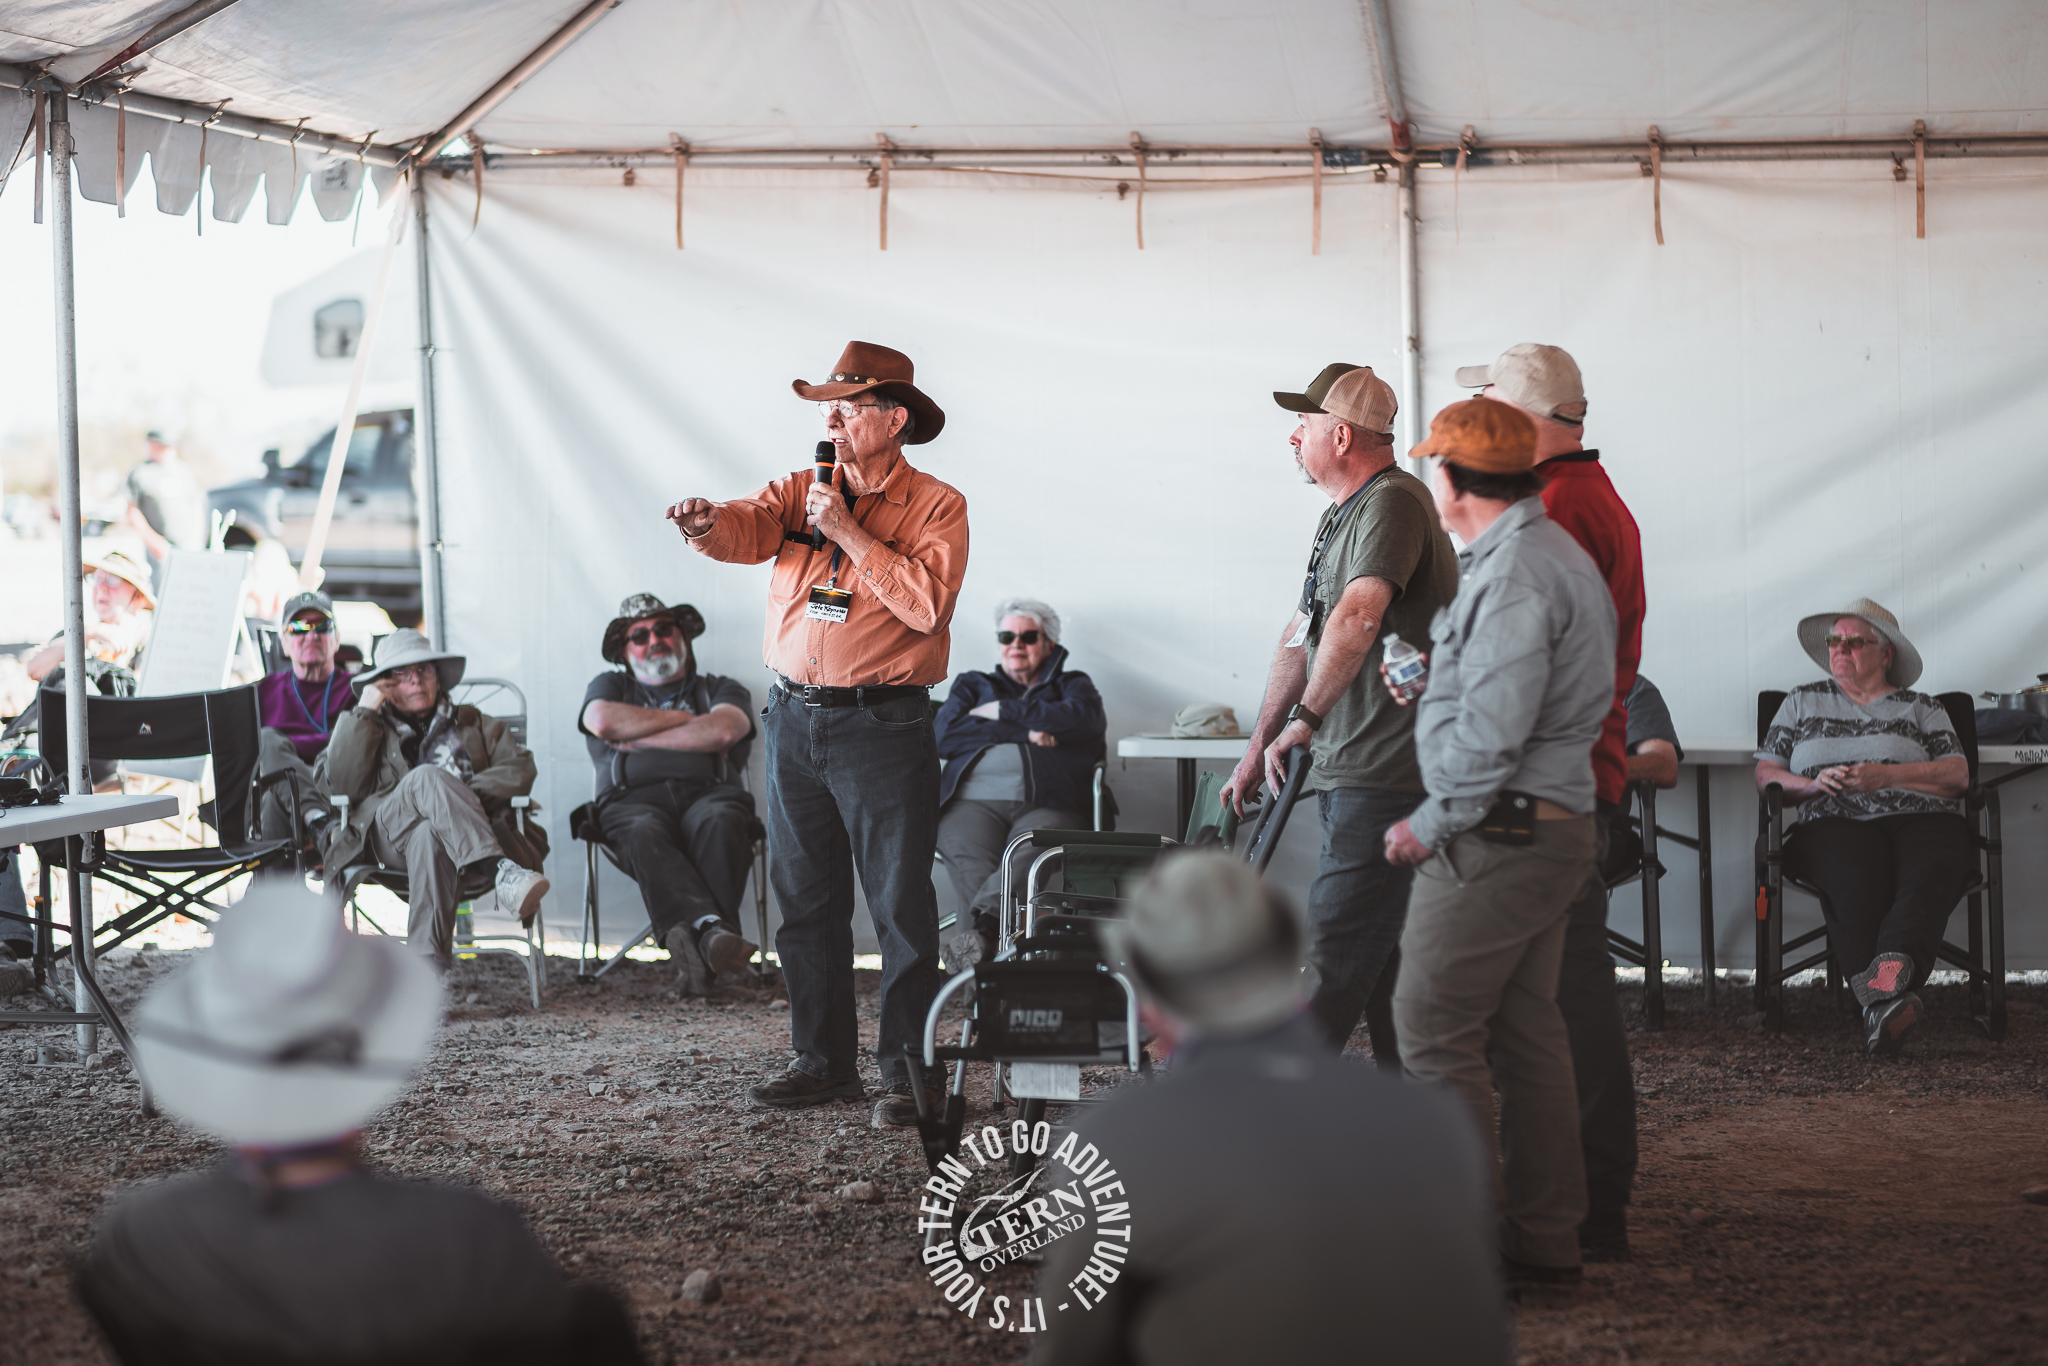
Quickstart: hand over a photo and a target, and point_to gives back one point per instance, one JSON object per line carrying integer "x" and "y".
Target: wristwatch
{"x": 1308, "y": 718}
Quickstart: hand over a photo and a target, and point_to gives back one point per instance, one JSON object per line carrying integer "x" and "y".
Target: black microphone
{"x": 828, "y": 456}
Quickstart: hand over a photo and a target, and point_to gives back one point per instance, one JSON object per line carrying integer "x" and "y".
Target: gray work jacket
{"x": 1521, "y": 678}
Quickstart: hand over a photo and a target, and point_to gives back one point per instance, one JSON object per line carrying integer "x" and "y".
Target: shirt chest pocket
{"x": 793, "y": 571}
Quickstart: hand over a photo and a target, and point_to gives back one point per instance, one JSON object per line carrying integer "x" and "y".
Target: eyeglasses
{"x": 322, "y": 627}
{"x": 844, "y": 407}
{"x": 1020, "y": 637}
{"x": 666, "y": 630}
{"x": 1849, "y": 642}
{"x": 413, "y": 673}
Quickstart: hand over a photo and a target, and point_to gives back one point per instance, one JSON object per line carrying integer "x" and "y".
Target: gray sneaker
{"x": 15, "y": 978}
{"x": 693, "y": 974}
{"x": 726, "y": 952}
{"x": 520, "y": 890}
{"x": 969, "y": 946}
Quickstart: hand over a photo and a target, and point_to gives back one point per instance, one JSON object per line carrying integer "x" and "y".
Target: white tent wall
{"x": 1801, "y": 402}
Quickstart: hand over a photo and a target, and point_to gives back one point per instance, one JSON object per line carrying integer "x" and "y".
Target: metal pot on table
{"x": 2034, "y": 699}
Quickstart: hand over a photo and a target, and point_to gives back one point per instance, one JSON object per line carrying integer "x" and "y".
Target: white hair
{"x": 1047, "y": 619}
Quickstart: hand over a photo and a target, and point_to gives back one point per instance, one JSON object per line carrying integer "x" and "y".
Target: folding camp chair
{"x": 219, "y": 725}
{"x": 1648, "y": 952}
{"x": 1984, "y": 958}
{"x": 531, "y": 941}
{"x": 1102, "y": 804}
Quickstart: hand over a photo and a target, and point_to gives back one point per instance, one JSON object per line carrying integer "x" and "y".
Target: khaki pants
{"x": 432, "y": 826}
{"x": 1476, "y": 1007}
{"x": 276, "y": 753}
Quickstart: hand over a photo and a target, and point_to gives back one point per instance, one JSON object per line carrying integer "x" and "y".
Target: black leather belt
{"x": 817, "y": 695}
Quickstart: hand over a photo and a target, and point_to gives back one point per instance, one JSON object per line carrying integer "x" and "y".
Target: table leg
{"x": 1183, "y": 796}
{"x": 1704, "y": 787}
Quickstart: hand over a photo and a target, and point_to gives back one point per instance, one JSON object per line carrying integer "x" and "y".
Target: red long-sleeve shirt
{"x": 1580, "y": 498}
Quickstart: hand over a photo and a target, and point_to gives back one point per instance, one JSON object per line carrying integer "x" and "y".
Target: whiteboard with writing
{"x": 192, "y": 639}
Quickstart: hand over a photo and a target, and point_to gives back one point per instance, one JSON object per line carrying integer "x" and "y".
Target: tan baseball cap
{"x": 1540, "y": 378}
{"x": 1363, "y": 399}
{"x": 1482, "y": 434}
{"x": 1310, "y": 400}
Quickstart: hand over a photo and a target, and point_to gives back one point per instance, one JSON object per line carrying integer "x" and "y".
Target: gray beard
{"x": 657, "y": 670}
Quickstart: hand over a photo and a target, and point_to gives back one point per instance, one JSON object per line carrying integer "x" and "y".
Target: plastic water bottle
{"x": 465, "y": 928}
{"x": 1407, "y": 669}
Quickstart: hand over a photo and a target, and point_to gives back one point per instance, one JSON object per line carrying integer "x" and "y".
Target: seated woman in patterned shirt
{"x": 1878, "y": 775}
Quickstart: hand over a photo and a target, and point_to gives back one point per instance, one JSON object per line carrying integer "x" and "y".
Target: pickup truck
{"x": 373, "y": 550}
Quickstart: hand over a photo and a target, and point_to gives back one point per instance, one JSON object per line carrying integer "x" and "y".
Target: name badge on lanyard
{"x": 828, "y": 604}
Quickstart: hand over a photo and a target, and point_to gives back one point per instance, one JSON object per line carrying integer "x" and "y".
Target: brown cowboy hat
{"x": 648, "y": 607}
{"x": 863, "y": 366}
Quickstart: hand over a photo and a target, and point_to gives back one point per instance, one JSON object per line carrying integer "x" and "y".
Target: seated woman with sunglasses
{"x": 1019, "y": 744}
{"x": 1878, "y": 775}
{"x": 298, "y": 707}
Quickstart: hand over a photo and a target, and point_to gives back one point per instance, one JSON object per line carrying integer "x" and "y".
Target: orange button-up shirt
{"x": 903, "y": 591}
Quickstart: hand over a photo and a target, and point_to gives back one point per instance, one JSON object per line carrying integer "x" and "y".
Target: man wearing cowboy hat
{"x": 1519, "y": 685}
{"x": 118, "y": 629}
{"x": 298, "y": 707}
{"x": 857, "y": 633}
{"x": 284, "y": 1040}
{"x": 1344, "y": 1211}
{"x": 660, "y": 734}
{"x": 424, "y": 779}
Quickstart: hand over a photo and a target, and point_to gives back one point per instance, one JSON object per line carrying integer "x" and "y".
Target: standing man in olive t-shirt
{"x": 1380, "y": 564}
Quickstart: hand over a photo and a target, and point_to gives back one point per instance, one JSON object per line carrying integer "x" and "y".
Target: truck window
{"x": 362, "y": 454}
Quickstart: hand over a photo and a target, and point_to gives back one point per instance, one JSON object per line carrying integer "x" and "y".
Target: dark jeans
{"x": 973, "y": 835}
{"x": 688, "y": 846}
{"x": 1607, "y": 1091}
{"x": 275, "y": 753}
{"x": 1890, "y": 883}
{"x": 1355, "y": 913}
{"x": 853, "y": 788}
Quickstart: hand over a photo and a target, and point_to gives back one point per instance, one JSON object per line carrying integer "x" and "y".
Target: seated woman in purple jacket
{"x": 1019, "y": 744}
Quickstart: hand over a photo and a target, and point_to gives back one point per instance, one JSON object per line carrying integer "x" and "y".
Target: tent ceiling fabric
{"x": 985, "y": 73}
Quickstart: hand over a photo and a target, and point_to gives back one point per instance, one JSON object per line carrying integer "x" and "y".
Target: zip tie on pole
{"x": 199, "y": 192}
{"x": 882, "y": 141}
{"x": 42, "y": 143}
{"x": 1315, "y": 244}
{"x": 476, "y": 173}
{"x": 1657, "y": 182}
{"x": 1465, "y": 141}
{"x": 681, "y": 149}
{"x": 1920, "y": 177}
{"x": 1138, "y": 154}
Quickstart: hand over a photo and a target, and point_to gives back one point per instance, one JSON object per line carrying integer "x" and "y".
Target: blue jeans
{"x": 853, "y": 788}
{"x": 1355, "y": 913}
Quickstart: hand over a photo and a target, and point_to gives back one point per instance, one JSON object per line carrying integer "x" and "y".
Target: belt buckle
{"x": 813, "y": 695}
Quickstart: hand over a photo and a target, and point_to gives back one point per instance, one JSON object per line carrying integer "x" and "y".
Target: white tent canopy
{"x": 1802, "y": 400}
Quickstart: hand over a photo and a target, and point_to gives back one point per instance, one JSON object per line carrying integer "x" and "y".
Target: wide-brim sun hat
{"x": 118, "y": 564}
{"x": 645, "y": 607}
{"x": 405, "y": 647}
{"x": 864, "y": 366}
{"x": 290, "y": 1029}
{"x": 1906, "y": 667}
{"x": 1206, "y": 939}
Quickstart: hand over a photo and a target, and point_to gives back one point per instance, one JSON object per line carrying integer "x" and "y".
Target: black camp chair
{"x": 221, "y": 726}
{"x": 1984, "y": 958}
{"x": 530, "y": 944}
{"x": 1641, "y": 864}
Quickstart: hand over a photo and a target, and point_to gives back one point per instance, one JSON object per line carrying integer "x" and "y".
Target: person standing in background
{"x": 1544, "y": 383}
{"x": 166, "y": 506}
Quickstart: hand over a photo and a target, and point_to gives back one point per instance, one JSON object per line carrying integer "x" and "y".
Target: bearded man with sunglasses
{"x": 666, "y": 739}
{"x": 858, "y": 634}
{"x": 299, "y": 707}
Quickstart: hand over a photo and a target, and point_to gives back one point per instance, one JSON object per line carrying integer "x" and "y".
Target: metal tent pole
{"x": 425, "y": 442}
{"x": 1412, "y": 425}
{"x": 78, "y": 882}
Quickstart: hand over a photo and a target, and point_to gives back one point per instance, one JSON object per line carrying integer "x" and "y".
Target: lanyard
{"x": 833, "y": 579}
{"x": 1315, "y": 556}
{"x": 318, "y": 723}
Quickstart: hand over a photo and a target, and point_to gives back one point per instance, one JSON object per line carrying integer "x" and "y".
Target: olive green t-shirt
{"x": 1391, "y": 533}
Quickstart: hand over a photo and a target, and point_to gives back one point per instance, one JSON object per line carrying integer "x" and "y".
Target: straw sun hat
{"x": 1905, "y": 669}
{"x": 289, "y": 1029}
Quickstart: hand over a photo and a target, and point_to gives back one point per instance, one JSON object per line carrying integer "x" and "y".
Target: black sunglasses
{"x": 1021, "y": 637}
{"x": 665, "y": 629}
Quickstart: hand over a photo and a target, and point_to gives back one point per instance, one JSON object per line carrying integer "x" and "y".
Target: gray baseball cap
{"x": 312, "y": 598}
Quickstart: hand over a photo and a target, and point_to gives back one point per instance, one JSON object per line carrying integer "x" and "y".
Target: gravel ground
{"x": 1797, "y": 1203}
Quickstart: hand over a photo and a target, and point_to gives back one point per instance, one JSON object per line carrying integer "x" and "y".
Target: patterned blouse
{"x": 1819, "y": 727}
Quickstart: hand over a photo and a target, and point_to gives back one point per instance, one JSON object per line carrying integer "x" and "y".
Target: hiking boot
{"x": 1529, "y": 1283}
{"x": 896, "y": 1107}
{"x": 797, "y": 1088}
{"x": 693, "y": 974}
{"x": 1605, "y": 1244}
{"x": 15, "y": 978}
{"x": 726, "y": 952}
{"x": 969, "y": 946}
{"x": 520, "y": 890}
{"x": 1887, "y": 1024}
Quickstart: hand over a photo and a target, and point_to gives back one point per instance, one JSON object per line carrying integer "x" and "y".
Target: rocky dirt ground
{"x": 1797, "y": 1203}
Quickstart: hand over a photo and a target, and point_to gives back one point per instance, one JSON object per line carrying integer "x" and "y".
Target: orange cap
{"x": 1482, "y": 434}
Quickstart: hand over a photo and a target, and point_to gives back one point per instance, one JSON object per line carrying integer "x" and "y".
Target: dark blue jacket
{"x": 1063, "y": 705}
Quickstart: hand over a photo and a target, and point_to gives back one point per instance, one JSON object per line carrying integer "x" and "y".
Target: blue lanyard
{"x": 1315, "y": 556}
{"x": 320, "y": 723}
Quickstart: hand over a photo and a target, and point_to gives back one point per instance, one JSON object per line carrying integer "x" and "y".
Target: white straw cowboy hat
{"x": 120, "y": 566}
{"x": 289, "y": 1029}
{"x": 404, "y": 647}
{"x": 1207, "y": 940}
{"x": 1905, "y": 669}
